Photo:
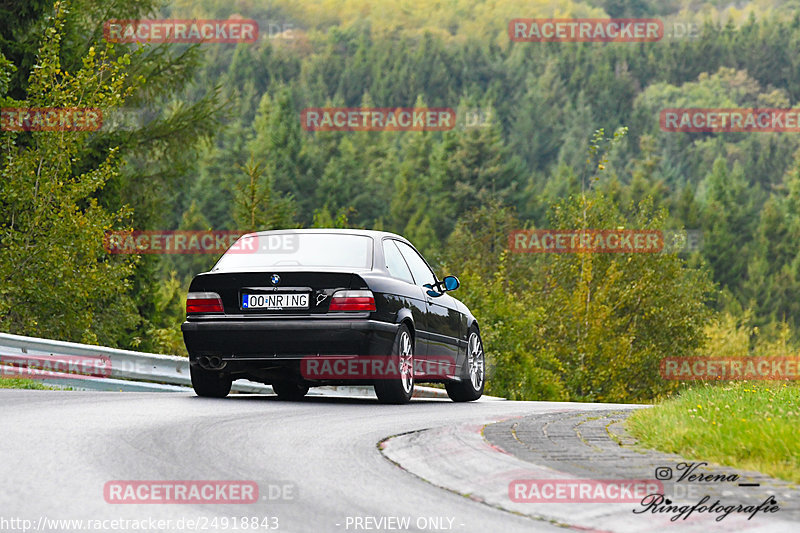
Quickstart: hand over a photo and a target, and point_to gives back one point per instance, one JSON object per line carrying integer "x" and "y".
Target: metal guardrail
{"x": 127, "y": 370}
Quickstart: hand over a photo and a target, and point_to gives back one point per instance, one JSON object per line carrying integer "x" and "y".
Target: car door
{"x": 443, "y": 318}
{"x": 406, "y": 294}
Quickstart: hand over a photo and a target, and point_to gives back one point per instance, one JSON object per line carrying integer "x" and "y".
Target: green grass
{"x": 742, "y": 425}
{"x": 19, "y": 383}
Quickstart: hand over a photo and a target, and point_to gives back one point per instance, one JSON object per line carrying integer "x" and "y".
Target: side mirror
{"x": 451, "y": 283}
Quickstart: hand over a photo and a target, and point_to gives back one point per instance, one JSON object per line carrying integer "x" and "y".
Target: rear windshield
{"x": 298, "y": 249}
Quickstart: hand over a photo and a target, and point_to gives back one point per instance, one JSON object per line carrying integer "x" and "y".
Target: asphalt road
{"x": 317, "y": 463}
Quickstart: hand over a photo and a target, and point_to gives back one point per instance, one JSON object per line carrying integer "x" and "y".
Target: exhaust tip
{"x": 211, "y": 362}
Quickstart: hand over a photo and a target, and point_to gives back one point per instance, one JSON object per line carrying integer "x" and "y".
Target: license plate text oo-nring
{"x": 275, "y": 301}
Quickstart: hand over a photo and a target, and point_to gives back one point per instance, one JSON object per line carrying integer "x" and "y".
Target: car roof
{"x": 374, "y": 234}
{"x": 340, "y": 231}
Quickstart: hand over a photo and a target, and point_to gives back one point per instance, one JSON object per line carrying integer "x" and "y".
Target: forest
{"x": 562, "y": 135}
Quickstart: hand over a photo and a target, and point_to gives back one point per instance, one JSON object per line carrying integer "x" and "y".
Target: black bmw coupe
{"x": 302, "y": 308}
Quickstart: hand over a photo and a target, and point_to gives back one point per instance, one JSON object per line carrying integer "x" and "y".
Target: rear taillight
{"x": 203, "y": 302}
{"x": 352, "y": 301}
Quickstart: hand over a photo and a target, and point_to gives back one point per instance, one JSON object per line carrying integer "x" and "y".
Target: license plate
{"x": 275, "y": 301}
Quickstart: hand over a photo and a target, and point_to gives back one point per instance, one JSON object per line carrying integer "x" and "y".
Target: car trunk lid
{"x": 276, "y": 292}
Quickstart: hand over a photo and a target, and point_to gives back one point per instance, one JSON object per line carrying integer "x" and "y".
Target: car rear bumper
{"x": 286, "y": 339}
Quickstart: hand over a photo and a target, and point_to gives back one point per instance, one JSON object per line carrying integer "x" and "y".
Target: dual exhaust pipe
{"x": 213, "y": 362}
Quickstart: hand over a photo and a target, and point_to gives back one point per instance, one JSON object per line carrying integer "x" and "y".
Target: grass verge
{"x": 742, "y": 425}
{"x": 19, "y": 383}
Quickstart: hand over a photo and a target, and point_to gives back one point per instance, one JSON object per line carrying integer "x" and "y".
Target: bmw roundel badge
{"x": 275, "y": 279}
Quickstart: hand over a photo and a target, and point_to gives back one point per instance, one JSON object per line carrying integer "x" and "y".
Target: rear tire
{"x": 399, "y": 390}
{"x": 288, "y": 390}
{"x": 210, "y": 384}
{"x": 473, "y": 378}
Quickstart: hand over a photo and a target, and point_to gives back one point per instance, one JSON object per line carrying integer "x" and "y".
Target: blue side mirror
{"x": 451, "y": 283}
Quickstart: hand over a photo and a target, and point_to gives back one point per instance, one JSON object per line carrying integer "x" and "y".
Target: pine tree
{"x": 728, "y": 223}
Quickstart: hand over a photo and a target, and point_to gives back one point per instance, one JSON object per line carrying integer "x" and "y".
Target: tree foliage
{"x": 221, "y": 146}
{"x": 58, "y": 281}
